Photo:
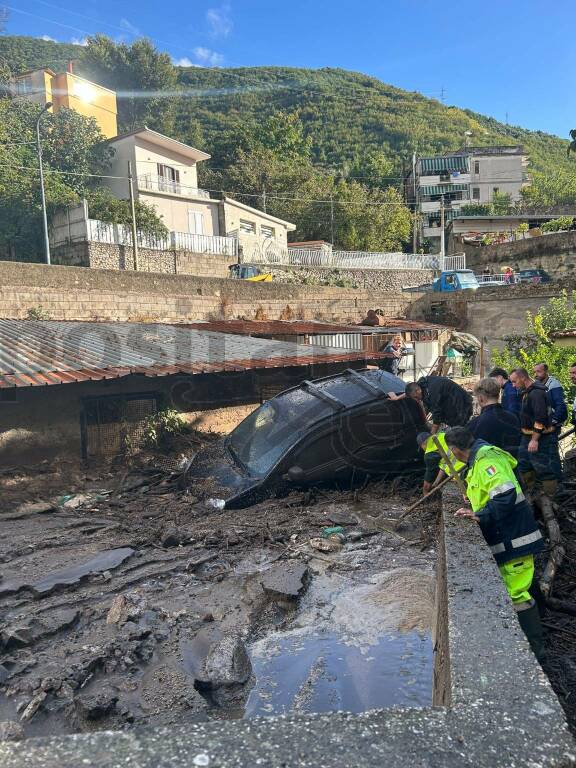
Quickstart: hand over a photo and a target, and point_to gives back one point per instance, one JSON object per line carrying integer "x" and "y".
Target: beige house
{"x": 166, "y": 177}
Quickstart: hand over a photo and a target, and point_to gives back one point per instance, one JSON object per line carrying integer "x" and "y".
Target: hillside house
{"x": 166, "y": 177}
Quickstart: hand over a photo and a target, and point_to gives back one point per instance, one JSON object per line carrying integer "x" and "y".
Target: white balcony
{"x": 212, "y": 244}
{"x": 151, "y": 183}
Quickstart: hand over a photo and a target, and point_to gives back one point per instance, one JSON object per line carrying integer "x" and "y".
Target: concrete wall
{"x": 76, "y": 293}
{"x": 491, "y": 313}
{"x": 502, "y": 171}
{"x": 555, "y": 252}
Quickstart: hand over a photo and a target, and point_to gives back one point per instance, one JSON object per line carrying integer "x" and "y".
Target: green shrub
{"x": 558, "y": 225}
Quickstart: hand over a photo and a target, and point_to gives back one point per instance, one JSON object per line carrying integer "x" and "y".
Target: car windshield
{"x": 467, "y": 278}
{"x": 262, "y": 438}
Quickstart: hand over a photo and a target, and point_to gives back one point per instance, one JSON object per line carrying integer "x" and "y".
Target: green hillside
{"x": 347, "y": 115}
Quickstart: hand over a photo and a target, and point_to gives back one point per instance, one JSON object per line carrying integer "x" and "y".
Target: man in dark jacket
{"x": 494, "y": 425}
{"x": 538, "y": 457}
{"x": 506, "y": 520}
{"x": 447, "y": 401}
{"x": 511, "y": 400}
{"x": 556, "y": 392}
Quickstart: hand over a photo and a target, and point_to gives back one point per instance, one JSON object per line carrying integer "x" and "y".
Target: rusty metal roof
{"x": 305, "y": 328}
{"x": 43, "y": 352}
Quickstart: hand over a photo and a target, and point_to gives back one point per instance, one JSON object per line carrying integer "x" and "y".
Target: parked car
{"x": 532, "y": 276}
{"x": 339, "y": 429}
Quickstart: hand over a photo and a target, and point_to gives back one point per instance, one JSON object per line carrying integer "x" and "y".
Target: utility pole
{"x": 264, "y": 199}
{"x": 442, "y": 231}
{"x": 331, "y": 219}
{"x": 45, "y": 109}
{"x": 133, "y": 212}
{"x": 415, "y": 213}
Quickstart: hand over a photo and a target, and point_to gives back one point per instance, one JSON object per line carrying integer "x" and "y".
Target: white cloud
{"x": 183, "y": 62}
{"x": 83, "y": 41}
{"x": 208, "y": 58}
{"x": 220, "y": 21}
{"x": 48, "y": 39}
{"x": 129, "y": 27}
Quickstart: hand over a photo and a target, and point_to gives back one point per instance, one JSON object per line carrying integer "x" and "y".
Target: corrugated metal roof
{"x": 37, "y": 353}
{"x": 433, "y": 165}
{"x": 309, "y": 328}
{"x": 272, "y": 327}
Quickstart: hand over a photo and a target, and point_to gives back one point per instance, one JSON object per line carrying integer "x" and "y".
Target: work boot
{"x": 549, "y": 488}
{"x": 529, "y": 620}
{"x": 528, "y": 481}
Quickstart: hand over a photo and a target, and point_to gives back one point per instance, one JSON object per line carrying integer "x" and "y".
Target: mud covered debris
{"x": 151, "y": 606}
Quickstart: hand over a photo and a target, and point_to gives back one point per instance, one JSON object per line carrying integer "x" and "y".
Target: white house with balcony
{"x": 166, "y": 177}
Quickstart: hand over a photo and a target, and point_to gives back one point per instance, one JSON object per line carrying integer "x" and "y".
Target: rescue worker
{"x": 436, "y": 468}
{"x": 495, "y": 425}
{"x": 538, "y": 456}
{"x": 556, "y": 392}
{"x": 511, "y": 400}
{"x": 447, "y": 401}
{"x": 506, "y": 520}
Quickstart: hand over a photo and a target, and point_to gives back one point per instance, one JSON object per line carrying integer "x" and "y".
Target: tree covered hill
{"x": 349, "y": 117}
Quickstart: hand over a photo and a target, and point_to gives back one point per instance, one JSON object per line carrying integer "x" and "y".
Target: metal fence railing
{"x": 150, "y": 181}
{"x": 455, "y": 261}
{"x": 121, "y": 234}
{"x": 340, "y": 259}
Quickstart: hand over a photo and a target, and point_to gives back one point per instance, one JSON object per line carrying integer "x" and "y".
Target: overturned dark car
{"x": 339, "y": 430}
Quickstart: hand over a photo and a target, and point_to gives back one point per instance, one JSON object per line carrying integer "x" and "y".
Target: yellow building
{"x": 65, "y": 89}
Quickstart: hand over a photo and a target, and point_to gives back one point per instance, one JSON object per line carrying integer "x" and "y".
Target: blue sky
{"x": 498, "y": 57}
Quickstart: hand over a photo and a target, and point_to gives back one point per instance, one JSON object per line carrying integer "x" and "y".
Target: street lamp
{"x": 44, "y": 216}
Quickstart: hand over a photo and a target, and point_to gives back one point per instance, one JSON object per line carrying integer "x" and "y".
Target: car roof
{"x": 350, "y": 388}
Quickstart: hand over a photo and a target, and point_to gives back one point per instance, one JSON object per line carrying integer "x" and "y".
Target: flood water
{"x": 322, "y": 673}
{"x": 350, "y": 647}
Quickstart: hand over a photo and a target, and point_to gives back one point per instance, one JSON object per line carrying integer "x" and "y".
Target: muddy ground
{"x": 125, "y": 601}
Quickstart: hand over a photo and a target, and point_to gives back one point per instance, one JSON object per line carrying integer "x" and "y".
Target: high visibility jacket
{"x": 431, "y": 448}
{"x": 505, "y": 516}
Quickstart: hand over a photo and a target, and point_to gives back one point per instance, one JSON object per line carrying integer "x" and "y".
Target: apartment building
{"x": 472, "y": 175}
{"x": 66, "y": 89}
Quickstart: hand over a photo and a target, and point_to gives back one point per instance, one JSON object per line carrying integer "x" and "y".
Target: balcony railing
{"x": 121, "y": 234}
{"x": 154, "y": 183}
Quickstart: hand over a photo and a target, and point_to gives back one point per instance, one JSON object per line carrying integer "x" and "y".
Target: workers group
{"x": 510, "y": 449}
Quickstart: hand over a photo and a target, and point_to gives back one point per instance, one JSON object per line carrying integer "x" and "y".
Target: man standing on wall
{"x": 538, "y": 457}
{"x": 506, "y": 520}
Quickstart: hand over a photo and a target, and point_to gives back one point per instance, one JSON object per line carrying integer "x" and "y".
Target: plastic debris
{"x": 334, "y": 531}
{"x": 216, "y": 503}
{"x": 331, "y": 544}
{"x": 201, "y": 760}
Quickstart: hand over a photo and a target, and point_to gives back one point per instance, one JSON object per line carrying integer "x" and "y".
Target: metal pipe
{"x": 45, "y": 109}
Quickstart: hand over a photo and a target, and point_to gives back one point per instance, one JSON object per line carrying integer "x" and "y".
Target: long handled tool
{"x": 452, "y": 472}
{"x": 423, "y": 498}
{"x": 567, "y": 433}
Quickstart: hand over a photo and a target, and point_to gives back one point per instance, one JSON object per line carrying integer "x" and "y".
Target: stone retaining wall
{"x": 76, "y": 293}
{"x": 554, "y": 252}
{"x": 374, "y": 279}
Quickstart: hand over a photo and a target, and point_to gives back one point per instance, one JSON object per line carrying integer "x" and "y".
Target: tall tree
{"x": 145, "y": 81}
{"x": 572, "y": 145}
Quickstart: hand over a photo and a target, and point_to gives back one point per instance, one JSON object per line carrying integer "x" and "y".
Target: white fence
{"x": 155, "y": 183}
{"x": 121, "y": 234}
{"x": 456, "y": 261}
{"x": 351, "y": 259}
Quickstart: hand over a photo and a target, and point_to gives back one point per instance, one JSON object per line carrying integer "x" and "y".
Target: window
{"x": 475, "y": 193}
{"x": 195, "y": 222}
{"x": 23, "y": 85}
{"x": 247, "y": 226}
{"x": 168, "y": 178}
{"x": 477, "y": 167}
{"x": 267, "y": 232}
